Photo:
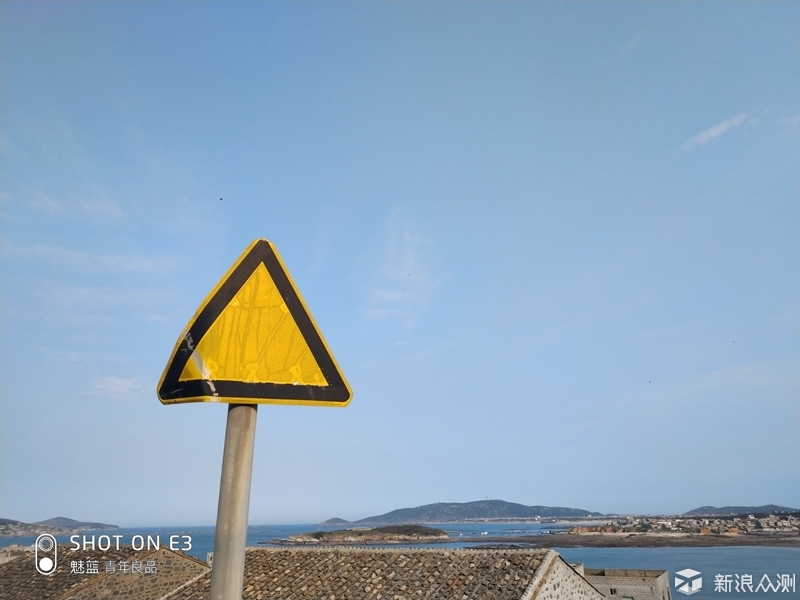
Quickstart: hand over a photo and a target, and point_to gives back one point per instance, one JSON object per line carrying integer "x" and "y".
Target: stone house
{"x": 630, "y": 584}
{"x": 13, "y": 551}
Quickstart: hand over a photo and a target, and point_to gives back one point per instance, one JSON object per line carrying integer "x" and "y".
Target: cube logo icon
{"x": 46, "y": 554}
{"x": 688, "y": 582}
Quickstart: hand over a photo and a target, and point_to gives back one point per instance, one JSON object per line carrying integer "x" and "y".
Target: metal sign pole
{"x": 230, "y": 537}
{"x": 256, "y": 289}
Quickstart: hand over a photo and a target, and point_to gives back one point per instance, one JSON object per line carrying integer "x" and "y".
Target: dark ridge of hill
{"x": 14, "y": 528}
{"x": 714, "y": 511}
{"x": 335, "y": 521}
{"x": 418, "y": 530}
{"x": 73, "y": 524}
{"x": 388, "y": 534}
{"x": 480, "y": 510}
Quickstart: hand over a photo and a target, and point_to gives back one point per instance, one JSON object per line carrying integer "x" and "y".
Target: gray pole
{"x": 230, "y": 537}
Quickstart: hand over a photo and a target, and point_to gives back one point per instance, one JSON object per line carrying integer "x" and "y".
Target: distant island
{"x": 54, "y": 526}
{"x": 335, "y": 521}
{"x": 390, "y": 534}
{"x": 466, "y": 512}
{"x": 499, "y": 511}
{"x": 777, "y": 528}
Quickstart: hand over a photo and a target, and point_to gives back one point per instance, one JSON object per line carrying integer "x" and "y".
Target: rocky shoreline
{"x": 645, "y": 540}
{"x": 560, "y": 540}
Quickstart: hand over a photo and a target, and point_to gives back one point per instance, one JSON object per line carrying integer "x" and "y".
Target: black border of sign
{"x": 172, "y": 389}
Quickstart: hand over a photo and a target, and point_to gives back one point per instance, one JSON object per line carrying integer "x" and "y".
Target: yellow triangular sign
{"x": 253, "y": 340}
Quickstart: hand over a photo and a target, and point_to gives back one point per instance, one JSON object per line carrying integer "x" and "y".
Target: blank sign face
{"x": 253, "y": 340}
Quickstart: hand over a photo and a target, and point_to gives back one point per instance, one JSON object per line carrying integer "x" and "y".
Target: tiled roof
{"x": 369, "y": 574}
{"x": 19, "y": 579}
{"x": 173, "y": 571}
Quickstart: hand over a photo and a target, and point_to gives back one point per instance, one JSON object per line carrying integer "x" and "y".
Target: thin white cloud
{"x": 70, "y": 357}
{"x": 59, "y": 170}
{"x": 92, "y": 262}
{"x": 156, "y": 319}
{"x": 101, "y": 205}
{"x": 44, "y": 203}
{"x": 383, "y": 313}
{"x": 755, "y": 374}
{"x": 703, "y": 138}
{"x": 87, "y": 297}
{"x": 632, "y": 44}
{"x": 117, "y": 387}
{"x": 764, "y": 382}
{"x": 403, "y": 281}
{"x": 388, "y": 296}
{"x": 56, "y": 147}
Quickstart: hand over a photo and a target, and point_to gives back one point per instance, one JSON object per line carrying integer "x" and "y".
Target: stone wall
{"x": 556, "y": 580}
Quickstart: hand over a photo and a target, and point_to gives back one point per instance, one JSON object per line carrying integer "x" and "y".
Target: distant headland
{"x": 466, "y": 512}
{"x": 54, "y": 526}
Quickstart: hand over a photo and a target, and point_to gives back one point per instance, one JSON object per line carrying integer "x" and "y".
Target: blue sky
{"x": 553, "y": 246}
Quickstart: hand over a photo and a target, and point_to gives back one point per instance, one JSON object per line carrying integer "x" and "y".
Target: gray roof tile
{"x": 380, "y": 574}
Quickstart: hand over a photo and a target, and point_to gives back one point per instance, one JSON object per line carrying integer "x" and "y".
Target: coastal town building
{"x": 787, "y": 524}
{"x": 630, "y": 584}
{"x": 12, "y": 551}
{"x": 314, "y": 574}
